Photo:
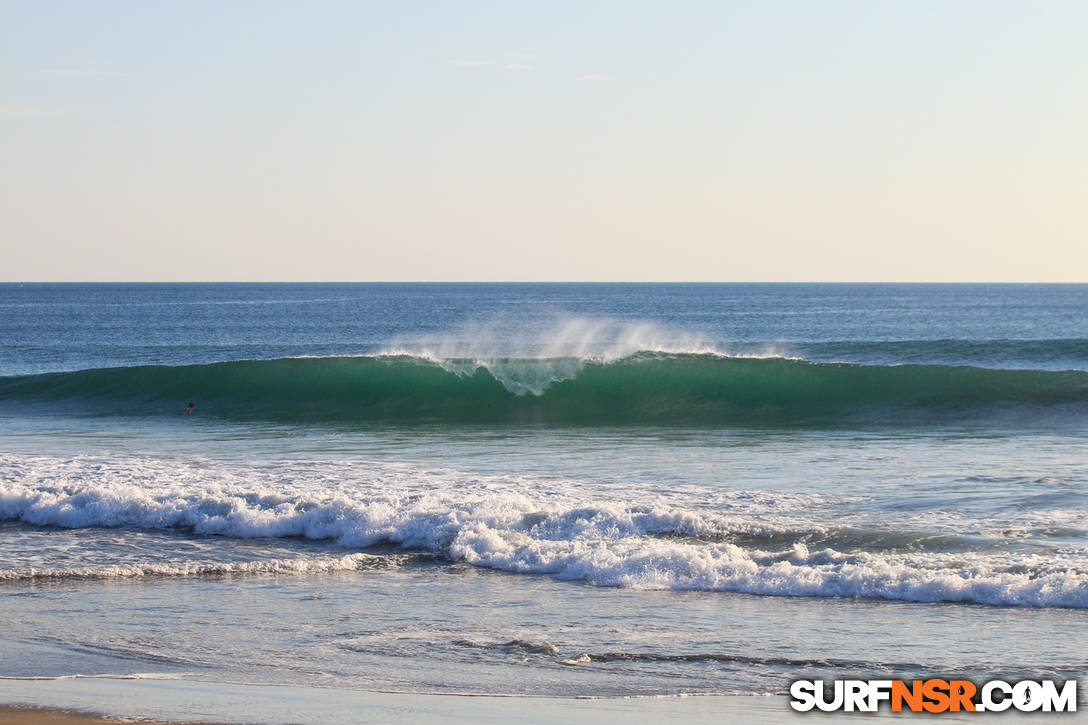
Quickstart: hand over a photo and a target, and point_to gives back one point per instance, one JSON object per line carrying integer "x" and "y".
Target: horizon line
{"x": 541, "y": 282}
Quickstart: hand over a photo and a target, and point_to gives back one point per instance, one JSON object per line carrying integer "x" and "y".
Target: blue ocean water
{"x": 558, "y": 489}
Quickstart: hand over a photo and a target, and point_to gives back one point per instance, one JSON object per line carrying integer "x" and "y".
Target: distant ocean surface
{"x": 547, "y": 489}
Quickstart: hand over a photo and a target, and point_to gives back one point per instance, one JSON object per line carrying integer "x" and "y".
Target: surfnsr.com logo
{"x": 934, "y": 695}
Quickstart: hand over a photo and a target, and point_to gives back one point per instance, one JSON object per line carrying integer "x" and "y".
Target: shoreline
{"x": 103, "y": 701}
{"x": 44, "y": 715}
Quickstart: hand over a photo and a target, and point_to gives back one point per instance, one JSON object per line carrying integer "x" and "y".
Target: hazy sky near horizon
{"x": 717, "y": 141}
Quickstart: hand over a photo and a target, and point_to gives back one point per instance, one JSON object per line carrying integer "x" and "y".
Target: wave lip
{"x": 644, "y": 388}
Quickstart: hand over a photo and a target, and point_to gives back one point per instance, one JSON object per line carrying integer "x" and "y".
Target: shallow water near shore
{"x": 786, "y": 481}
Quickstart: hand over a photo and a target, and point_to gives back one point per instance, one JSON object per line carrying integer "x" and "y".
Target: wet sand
{"x": 14, "y": 715}
{"x": 72, "y": 702}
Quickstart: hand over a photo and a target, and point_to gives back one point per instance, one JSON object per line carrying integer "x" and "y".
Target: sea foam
{"x": 730, "y": 542}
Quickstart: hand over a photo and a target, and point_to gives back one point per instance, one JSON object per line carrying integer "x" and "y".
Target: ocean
{"x": 543, "y": 489}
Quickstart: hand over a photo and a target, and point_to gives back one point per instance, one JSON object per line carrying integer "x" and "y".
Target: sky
{"x": 768, "y": 140}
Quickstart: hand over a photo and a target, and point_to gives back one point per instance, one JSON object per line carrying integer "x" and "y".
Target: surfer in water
{"x": 190, "y": 408}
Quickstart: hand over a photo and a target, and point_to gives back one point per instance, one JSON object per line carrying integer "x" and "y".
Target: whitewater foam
{"x": 552, "y": 527}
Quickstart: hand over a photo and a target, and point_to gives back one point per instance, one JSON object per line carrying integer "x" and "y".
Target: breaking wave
{"x": 699, "y": 389}
{"x": 653, "y": 544}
